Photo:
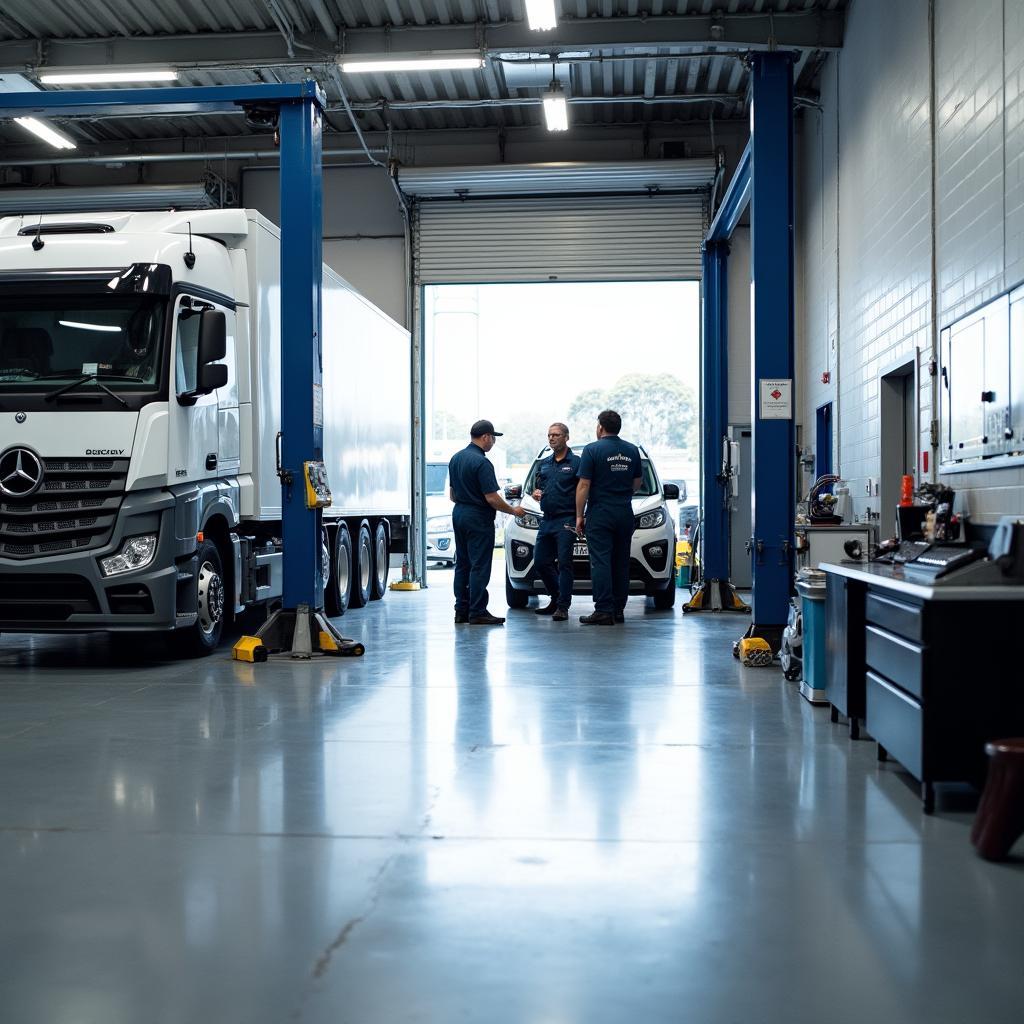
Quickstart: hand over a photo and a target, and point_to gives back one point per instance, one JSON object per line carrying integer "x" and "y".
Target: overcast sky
{"x": 493, "y": 350}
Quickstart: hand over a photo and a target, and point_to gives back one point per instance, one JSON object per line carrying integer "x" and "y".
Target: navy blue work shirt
{"x": 471, "y": 476}
{"x": 558, "y": 482}
{"x": 611, "y": 465}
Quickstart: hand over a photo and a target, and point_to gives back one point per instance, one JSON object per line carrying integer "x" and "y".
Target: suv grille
{"x": 73, "y": 510}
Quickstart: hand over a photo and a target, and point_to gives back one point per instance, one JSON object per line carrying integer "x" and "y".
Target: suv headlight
{"x": 135, "y": 553}
{"x": 649, "y": 520}
{"x": 528, "y": 521}
{"x": 439, "y": 524}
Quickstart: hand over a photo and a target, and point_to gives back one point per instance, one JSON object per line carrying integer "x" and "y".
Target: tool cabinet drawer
{"x": 905, "y": 620}
{"x": 894, "y": 719}
{"x": 895, "y": 658}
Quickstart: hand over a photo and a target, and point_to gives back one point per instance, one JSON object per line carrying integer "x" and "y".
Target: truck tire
{"x": 665, "y": 599}
{"x": 381, "y": 562}
{"x": 203, "y": 636}
{"x": 339, "y": 587}
{"x": 515, "y": 598}
{"x": 362, "y": 568}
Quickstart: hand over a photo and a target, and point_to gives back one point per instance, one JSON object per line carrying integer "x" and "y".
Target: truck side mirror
{"x": 671, "y": 492}
{"x": 211, "y": 345}
{"x": 210, "y": 377}
{"x": 213, "y": 337}
{"x": 513, "y": 492}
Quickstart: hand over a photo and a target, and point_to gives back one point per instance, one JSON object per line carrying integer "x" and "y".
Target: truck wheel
{"x": 202, "y": 638}
{"x": 381, "y": 562}
{"x": 515, "y": 598}
{"x": 338, "y": 588}
{"x": 362, "y": 568}
{"x": 665, "y": 599}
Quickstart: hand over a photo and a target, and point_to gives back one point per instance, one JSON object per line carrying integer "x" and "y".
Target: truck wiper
{"x": 52, "y": 396}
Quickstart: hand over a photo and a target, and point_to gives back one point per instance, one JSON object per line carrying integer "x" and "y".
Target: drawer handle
{"x": 886, "y": 685}
{"x": 912, "y": 648}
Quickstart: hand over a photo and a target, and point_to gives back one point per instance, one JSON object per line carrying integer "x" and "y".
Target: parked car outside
{"x": 440, "y": 532}
{"x": 652, "y": 555}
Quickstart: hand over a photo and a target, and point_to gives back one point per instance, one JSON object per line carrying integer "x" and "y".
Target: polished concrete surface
{"x": 535, "y": 824}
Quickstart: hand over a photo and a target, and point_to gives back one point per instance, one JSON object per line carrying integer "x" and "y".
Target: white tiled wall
{"x": 876, "y": 96}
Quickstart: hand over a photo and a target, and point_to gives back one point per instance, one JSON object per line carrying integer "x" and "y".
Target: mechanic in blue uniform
{"x": 555, "y": 489}
{"x": 474, "y": 489}
{"x": 610, "y": 472}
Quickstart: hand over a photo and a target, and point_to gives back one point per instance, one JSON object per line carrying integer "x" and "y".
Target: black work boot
{"x": 598, "y": 619}
{"x": 547, "y": 609}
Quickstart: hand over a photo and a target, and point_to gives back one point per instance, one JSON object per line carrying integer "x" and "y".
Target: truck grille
{"x": 73, "y": 510}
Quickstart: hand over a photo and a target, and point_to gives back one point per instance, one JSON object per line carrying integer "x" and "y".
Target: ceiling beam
{"x": 815, "y": 30}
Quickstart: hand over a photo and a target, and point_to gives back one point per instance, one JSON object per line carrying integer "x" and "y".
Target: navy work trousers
{"x": 554, "y": 542}
{"x": 474, "y": 553}
{"x": 609, "y": 535}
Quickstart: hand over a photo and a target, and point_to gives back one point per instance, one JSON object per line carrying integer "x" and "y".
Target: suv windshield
{"x": 49, "y": 339}
{"x": 648, "y": 487}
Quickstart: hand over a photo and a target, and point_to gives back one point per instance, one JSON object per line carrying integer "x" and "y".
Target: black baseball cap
{"x": 482, "y": 427}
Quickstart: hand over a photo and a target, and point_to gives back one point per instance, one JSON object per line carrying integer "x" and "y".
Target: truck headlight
{"x": 528, "y": 521}
{"x": 135, "y": 553}
{"x": 649, "y": 520}
{"x": 439, "y": 524}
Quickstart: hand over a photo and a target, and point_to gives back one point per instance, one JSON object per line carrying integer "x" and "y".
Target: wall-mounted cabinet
{"x": 982, "y": 385}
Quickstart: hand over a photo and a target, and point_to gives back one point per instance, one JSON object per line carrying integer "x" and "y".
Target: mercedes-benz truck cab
{"x": 139, "y": 410}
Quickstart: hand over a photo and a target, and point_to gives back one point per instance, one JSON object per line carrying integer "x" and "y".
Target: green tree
{"x": 525, "y": 434}
{"x": 657, "y": 410}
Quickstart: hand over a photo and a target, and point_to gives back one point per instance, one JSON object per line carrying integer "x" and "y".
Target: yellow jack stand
{"x": 716, "y": 596}
{"x": 303, "y": 633}
{"x": 405, "y": 583}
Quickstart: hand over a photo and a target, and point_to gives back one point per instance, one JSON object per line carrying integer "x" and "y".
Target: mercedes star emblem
{"x": 20, "y": 417}
{"x": 21, "y": 472}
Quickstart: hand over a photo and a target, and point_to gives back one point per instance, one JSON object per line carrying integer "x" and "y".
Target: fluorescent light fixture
{"x": 541, "y": 15}
{"x": 90, "y": 327}
{"x": 92, "y": 77}
{"x": 45, "y": 132}
{"x": 412, "y": 62}
{"x": 556, "y": 110}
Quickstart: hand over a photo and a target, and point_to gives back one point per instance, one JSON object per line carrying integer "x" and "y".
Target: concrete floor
{"x": 540, "y": 824}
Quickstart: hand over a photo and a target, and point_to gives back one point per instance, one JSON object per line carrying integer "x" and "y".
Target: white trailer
{"x": 135, "y": 496}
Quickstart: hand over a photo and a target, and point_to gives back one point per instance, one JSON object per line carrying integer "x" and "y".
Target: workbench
{"x": 932, "y": 671}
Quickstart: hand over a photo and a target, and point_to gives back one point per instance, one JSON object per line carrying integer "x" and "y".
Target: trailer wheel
{"x": 339, "y": 586}
{"x": 362, "y": 568}
{"x": 381, "y": 561}
{"x": 202, "y": 638}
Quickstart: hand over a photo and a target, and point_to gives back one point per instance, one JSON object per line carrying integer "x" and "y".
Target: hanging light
{"x": 97, "y": 77}
{"x": 556, "y": 110}
{"x": 43, "y": 131}
{"x": 413, "y": 62}
{"x": 541, "y": 15}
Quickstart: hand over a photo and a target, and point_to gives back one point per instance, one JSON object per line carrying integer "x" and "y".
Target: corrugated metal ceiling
{"x": 217, "y": 42}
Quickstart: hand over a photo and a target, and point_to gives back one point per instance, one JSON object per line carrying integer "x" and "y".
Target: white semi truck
{"x": 140, "y": 410}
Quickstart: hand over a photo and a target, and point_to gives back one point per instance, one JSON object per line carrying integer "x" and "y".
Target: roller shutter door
{"x": 563, "y": 238}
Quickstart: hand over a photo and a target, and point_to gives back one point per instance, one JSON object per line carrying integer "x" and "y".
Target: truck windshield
{"x": 49, "y": 339}
{"x": 437, "y": 473}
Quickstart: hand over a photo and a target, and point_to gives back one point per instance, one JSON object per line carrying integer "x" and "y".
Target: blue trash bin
{"x": 810, "y": 586}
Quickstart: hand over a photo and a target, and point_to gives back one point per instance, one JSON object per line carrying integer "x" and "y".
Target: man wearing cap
{"x": 474, "y": 489}
{"x": 610, "y": 471}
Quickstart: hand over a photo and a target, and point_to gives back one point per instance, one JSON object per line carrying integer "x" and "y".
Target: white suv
{"x": 651, "y": 556}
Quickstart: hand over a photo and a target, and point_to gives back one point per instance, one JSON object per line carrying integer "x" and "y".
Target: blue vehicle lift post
{"x": 764, "y": 179}
{"x": 300, "y": 625}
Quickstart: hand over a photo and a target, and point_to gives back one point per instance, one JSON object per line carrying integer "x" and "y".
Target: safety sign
{"x": 776, "y": 399}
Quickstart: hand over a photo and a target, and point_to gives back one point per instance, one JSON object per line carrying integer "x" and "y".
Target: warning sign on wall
{"x": 776, "y": 399}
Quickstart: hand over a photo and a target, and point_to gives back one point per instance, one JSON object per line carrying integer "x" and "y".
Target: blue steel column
{"x": 301, "y": 352}
{"x": 715, "y": 409}
{"x": 771, "y": 238}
